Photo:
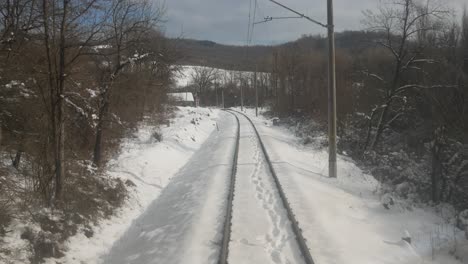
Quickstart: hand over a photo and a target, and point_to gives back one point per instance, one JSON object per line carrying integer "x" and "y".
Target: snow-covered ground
{"x": 176, "y": 214}
{"x": 176, "y": 209}
{"x": 261, "y": 230}
{"x": 150, "y": 165}
{"x": 184, "y": 225}
{"x": 344, "y": 220}
{"x": 184, "y": 77}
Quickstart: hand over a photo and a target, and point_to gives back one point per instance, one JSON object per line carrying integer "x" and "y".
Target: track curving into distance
{"x": 223, "y": 257}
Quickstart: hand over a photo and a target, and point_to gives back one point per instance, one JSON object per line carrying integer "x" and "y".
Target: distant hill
{"x": 244, "y": 58}
{"x": 229, "y": 57}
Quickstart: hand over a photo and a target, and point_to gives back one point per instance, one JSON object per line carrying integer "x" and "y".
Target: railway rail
{"x": 227, "y": 227}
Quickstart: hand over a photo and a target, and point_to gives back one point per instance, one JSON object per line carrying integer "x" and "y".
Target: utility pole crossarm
{"x": 269, "y": 18}
{"x": 299, "y": 14}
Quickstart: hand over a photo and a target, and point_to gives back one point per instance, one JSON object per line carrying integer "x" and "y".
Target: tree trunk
{"x": 369, "y": 132}
{"x": 97, "y": 157}
{"x": 380, "y": 126}
{"x": 200, "y": 101}
{"x": 436, "y": 174}
{"x": 60, "y": 154}
{"x": 17, "y": 159}
{"x": 59, "y": 150}
{"x": 97, "y": 146}
{"x": 275, "y": 74}
{"x": 277, "y": 91}
{"x": 436, "y": 171}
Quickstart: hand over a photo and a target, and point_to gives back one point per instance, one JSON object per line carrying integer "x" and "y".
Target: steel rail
{"x": 294, "y": 223}
{"x": 223, "y": 256}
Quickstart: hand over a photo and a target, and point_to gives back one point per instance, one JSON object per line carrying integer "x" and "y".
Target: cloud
{"x": 225, "y": 21}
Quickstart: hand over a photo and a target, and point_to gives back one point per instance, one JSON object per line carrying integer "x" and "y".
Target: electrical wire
{"x": 253, "y": 21}
{"x": 260, "y": 11}
{"x": 248, "y": 24}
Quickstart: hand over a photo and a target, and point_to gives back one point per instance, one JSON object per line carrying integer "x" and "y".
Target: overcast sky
{"x": 225, "y": 21}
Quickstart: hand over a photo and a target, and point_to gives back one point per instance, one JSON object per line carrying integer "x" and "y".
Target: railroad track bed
{"x": 259, "y": 226}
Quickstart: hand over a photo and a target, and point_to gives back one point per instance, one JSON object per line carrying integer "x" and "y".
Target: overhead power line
{"x": 332, "y": 148}
{"x": 299, "y": 14}
{"x": 269, "y": 18}
{"x": 248, "y": 24}
{"x": 253, "y": 21}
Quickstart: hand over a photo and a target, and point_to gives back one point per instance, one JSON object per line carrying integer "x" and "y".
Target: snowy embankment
{"x": 345, "y": 221}
{"x": 147, "y": 166}
{"x": 184, "y": 225}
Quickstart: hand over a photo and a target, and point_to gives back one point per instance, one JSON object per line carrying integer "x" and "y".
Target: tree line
{"x": 75, "y": 77}
{"x": 402, "y": 82}
{"x": 410, "y": 84}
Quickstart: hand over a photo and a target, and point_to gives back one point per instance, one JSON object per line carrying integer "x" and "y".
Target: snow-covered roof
{"x": 181, "y": 97}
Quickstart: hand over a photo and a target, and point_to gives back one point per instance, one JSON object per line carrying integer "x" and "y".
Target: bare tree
{"x": 403, "y": 22}
{"x": 464, "y": 40}
{"x": 128, "y": 28}
{"x": 66, "y": 38}
{"x": 204, "y": 77}
{"x": 17, "y": 19}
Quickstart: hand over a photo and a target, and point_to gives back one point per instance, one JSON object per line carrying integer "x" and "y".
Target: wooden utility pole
{"x": 256, "y": 91}
{"x": 276, "y": 80}
{"x": 332, "y": 169}
{"x": 216, "y": 91}
{"x": 222, "y": 98}
{"x": 242, "y": 97}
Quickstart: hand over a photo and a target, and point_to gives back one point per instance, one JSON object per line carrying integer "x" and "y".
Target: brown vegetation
{"x": 76, "y": 76}
{"x": 402, "y": 85}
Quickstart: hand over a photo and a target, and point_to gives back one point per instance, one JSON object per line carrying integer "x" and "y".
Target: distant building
{"x": 182, "y": 99}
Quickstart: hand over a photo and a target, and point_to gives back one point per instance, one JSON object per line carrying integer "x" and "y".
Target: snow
{"x": 176, "y": 211}
{"x": 184, "y": 77}
{"x": 19, "y": 249}
{"x": 150, "y": 165}
{"x": 99, "y": 47}
{"x": 260, "y": 225}
{"x": 184, "y": 224}
{"x": 344, "y": 220}
{"x": 92, "y": 93}
{"x": 182, "y": 97}
{"x": 77, "y": 108}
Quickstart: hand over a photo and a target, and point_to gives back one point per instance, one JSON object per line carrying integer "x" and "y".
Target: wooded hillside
{"x": 402, "y": 87}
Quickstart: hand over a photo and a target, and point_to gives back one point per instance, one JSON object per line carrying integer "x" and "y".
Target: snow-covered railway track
{"x": 260, "y": 226}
